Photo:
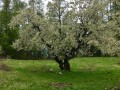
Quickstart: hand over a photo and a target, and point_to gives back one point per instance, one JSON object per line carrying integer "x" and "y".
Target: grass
{"x": 86, "y": 74}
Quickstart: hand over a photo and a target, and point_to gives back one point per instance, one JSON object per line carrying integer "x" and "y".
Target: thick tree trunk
{"x": 66, "y": 65}
{"x": 63, "y": 64}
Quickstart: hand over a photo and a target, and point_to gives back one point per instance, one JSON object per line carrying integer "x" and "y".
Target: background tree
{"x": 7, "y": 35}
{"x": 106, "y": 32}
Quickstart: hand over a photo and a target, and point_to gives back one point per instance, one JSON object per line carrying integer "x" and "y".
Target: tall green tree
{"x": 7, "y": 35}
{"x": 4, "y": 21}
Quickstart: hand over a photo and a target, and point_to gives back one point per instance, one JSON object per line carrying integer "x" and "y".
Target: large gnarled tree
{"x": 63, "y": 32}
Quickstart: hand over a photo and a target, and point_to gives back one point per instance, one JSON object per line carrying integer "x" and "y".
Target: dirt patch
{"x": 60, "y": 85}
{"x": 118, "y": 63}
{"x": 5, "y": 67}
{"x": 44, "y": 68}
{"x": 117, "y": 88}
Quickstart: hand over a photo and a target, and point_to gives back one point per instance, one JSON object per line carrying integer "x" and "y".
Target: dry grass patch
{"x": 5, "y": 67}
{"x": 60, "y": 85}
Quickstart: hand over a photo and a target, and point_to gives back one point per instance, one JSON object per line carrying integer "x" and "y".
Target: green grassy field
{"x": 86, "y": 74}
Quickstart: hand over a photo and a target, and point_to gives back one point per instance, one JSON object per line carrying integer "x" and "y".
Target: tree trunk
{"x": 66, "y": 65}
{"x": 63, "y": 64}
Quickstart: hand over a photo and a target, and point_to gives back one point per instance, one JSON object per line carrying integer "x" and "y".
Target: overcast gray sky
{"x": 45, "y": 2}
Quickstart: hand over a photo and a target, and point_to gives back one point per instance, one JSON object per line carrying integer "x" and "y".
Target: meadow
{"x": 87, "y": 73}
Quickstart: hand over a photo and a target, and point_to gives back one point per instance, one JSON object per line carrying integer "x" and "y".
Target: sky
{"x": 45, "y": 3}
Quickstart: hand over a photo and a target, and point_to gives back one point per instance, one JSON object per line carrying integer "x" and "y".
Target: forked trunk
{"x": 63, "y": 64}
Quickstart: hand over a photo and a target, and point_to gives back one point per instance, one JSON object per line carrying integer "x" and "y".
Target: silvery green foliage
{"x": 95, "y": 18}
{"x": 29, "y": 37}
{"x": 34, "y": 28}
{"x": 37, "y": 33}
{"x": 105, "y": 39}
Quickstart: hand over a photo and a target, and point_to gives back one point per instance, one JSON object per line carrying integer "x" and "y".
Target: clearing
{"x": 88, "y": 73}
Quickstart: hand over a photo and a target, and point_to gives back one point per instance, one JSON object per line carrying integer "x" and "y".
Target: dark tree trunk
{"x": 60, "y": 62}
{"x": 63, "y": 64}
{"x": 66, "y": 65}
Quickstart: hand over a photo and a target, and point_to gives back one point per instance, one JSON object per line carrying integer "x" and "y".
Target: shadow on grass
{"x": 5, "y": 67}
{"x": 48, "y": 76}
{"x": 43, "y": 75}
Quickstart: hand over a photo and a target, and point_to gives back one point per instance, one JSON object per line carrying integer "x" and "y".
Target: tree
{"x": 8, "y": 35}
{"x": 61, "y": 33}
{"x": 4, "y": 21}
{"x": 106, "y": 33}
{"x": 36, "y": 33}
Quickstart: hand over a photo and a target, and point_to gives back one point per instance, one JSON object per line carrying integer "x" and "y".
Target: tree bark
{"x": 63, "y": 64}
{"x": 66, "y": 65}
